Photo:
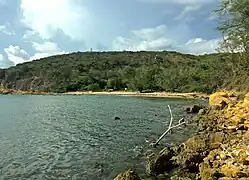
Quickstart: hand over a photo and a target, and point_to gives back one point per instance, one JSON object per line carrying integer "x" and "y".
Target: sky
{"x": 32, "y": 29}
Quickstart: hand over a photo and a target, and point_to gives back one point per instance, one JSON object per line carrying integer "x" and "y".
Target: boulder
{"x": 194, "y": 108}
{"x": 193, "y": 153}
{"x": 161, "y": 163}
{"x": 128, "y": 175}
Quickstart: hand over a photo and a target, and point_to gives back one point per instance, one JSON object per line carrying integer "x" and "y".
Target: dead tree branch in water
{"x": 180, "y": 122}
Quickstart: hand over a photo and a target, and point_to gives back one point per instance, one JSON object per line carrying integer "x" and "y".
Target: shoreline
{"x": 193, "y": 95}
{"x": 218, "y": 150}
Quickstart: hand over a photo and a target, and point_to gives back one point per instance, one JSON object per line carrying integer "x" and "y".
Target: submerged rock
{"x": 194, "y": 108}
{"x": 128, "y": 175}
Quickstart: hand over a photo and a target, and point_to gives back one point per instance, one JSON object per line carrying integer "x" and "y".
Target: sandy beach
{"x": 154, "y": 94}
{"x": 193, "y": 95}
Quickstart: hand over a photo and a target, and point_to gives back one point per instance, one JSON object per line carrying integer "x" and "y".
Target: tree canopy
{"x": 134, "y": 71}
{"x": 234, "y": 24}
{"x": 233, "y": 16}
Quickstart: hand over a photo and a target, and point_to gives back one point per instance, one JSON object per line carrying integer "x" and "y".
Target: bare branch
{"x": 171, "y": 116}
{"x": 180, "y": 122}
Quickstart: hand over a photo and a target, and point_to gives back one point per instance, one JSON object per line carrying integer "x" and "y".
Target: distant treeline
{"x": 134, "y": 71}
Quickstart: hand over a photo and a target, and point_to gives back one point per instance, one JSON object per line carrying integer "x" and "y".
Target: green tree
{"x": 93, "y": 87}
{"x": 233, "y": 16}
{"x": 114, "y": 83}
{"x": 234, "y": 24}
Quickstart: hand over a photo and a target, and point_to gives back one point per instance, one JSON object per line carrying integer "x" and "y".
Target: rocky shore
{"x": 219, "y": 149}
{"x": 4, "y": 91}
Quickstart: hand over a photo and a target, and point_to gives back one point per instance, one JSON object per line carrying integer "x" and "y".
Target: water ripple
{"x": 77, "y": 137}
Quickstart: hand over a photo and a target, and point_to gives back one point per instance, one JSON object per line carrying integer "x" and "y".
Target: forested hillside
{"x": 136, "y": 71}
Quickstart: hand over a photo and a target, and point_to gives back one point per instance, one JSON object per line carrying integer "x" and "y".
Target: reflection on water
{"x": 77, "y": 137}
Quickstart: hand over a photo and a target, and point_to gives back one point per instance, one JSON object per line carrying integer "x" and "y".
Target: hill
{"x": 136, "y": 71}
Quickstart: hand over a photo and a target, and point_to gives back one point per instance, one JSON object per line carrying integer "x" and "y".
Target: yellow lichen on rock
{"x": 230, "y": 170}
{"x": 231, "y": 159}
{"x": 246, "y": 100}
{"x": 239, "y": 113}
{"x": 236, "y": 111}
{"x": 220, "y": 149}
{"x": 216, "y": 98}
{"x": 222, "y": 99}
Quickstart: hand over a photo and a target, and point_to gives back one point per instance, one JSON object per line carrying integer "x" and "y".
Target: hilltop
{"x": 133, "y": 71}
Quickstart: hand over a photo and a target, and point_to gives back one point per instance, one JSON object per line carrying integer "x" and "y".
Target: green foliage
{"x": 234, "y": 24}
{"x": 93, "y": 87}
{"x": 137, "y": 71}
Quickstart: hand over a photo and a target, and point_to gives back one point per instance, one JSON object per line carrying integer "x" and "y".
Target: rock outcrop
{"x": 220, "y": 148}
{"x": 160, "y": 163}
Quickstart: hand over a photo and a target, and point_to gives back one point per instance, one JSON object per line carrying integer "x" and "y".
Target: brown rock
{"x": 243, "y": 157}
{"x": 208, "y": 173}
{"x": 216, "y": 139}
{"x": 197, "y": 143}
{"x": 193, "y": 153}
{"x": 128, "y": 175}
{"x": 161, "y": 163}
{"x": 230, "y": 171}
{"x": 194, "y": 108}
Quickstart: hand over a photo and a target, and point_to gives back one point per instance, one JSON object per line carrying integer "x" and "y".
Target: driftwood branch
{"x": 180, "y": 122}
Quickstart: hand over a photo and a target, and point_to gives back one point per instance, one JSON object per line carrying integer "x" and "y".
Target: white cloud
{"x": 1, "y": 61}
{"x": 16, "y": 54}
{"x": 145, "y": 39}
{"x": 150, "y": 33}
{"x": 31, "y": 35}
{"x": 122, "y": 43}
{"x": 5, "y": 30}
{"x": 43, "y": 55}
{"x": 45, "y": 49}
{"x": 186, "y": 10}
{"x": 194, "y": 41}
{"x": 161, "y": 38}
{"x": 48, "y": 47}
{"x": 47, "y": 17}
{"x": 1, "y": 57}
{"x": 200, "y": 46}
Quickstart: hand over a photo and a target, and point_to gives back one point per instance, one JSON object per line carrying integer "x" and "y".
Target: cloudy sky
{"x": 31, "y": 29}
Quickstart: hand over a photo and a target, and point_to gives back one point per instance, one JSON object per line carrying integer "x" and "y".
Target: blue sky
{"x": 31, "y": 29}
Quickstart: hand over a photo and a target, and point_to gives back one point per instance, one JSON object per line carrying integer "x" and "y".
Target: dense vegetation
{"x": 146, "y": 71}
{"x": 136, "y": 71}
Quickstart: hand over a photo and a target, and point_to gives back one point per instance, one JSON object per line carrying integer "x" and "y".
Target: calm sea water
{"x": 77, "y": 137}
